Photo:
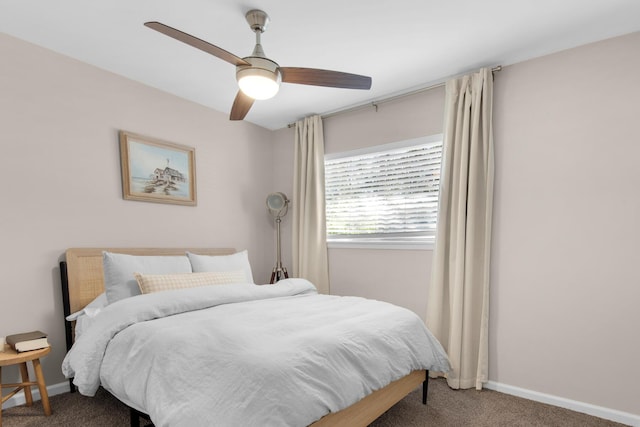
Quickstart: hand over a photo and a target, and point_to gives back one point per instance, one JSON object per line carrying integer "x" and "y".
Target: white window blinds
{"x": 389, "y": 192}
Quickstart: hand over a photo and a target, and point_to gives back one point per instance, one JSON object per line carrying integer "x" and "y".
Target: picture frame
{"x": 157, "y": 171}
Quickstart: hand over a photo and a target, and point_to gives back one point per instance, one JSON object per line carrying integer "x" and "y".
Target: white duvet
{"x": 248, "y": 355}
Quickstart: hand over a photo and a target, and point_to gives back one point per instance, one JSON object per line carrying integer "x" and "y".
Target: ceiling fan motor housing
{"x": 260, "y": 68}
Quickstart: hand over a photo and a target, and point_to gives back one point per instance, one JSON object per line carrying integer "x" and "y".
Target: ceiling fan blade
{"x": 196, "y": 42}
{"x": 316, "y": 77}
{"x": 241, "y": 106}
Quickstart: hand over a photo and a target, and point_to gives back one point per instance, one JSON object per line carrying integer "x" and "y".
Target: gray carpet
{"x": 445, "y": 407}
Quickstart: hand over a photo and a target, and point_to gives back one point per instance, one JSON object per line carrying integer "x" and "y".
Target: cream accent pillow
{"x": 165, "y": 282}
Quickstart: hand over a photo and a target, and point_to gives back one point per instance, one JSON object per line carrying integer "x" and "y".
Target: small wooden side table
{"x": 10, "y": 357}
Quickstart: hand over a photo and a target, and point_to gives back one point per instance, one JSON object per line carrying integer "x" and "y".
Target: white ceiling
{"x": 401, "y": 44}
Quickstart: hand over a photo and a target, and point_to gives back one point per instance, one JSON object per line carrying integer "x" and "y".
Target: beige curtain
{"x": 309, "y": 226}
{"x": 458, "y": 306}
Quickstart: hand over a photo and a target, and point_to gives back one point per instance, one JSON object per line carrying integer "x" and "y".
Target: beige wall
{"x": 61, "y": 183}
{"x": 565, "y": 279}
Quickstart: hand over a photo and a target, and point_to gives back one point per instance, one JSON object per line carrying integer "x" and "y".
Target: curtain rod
{"x": 375, "y": 104}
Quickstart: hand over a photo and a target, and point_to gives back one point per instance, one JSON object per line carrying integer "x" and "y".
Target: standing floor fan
{"x": 278, "y": 205}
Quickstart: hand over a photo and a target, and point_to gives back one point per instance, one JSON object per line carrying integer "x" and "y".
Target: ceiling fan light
{"x": 258, "y": 83}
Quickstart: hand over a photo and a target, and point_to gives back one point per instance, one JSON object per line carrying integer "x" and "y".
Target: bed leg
{"x": 425, "y": 388}
{"x": 135, "y": 418}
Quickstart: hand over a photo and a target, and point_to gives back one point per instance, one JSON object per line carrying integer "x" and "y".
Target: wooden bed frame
{"x": 83, "y": 280}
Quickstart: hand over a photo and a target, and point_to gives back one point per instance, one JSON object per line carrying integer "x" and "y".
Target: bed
{"x": 83, "y": 281}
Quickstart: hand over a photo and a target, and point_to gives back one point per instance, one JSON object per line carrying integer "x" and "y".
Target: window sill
{"x": 381, "y": 244}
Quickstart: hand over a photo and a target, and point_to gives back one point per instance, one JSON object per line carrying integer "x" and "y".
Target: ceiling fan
{"x": 258, "y": 76}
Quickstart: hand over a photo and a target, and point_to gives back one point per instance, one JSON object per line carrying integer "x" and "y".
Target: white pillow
{"x": 92, "y": 309}
{"x": 119, "y": 282}
{"x": 237, "y": 261}
{"x": 166, "y": 282}
{"x": 86, "y": 316}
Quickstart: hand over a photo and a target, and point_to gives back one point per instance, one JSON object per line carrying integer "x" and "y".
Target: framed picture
{"x": 157, "y": 171}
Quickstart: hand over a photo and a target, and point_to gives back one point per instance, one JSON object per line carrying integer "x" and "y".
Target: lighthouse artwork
{"x": 157, "y": 171}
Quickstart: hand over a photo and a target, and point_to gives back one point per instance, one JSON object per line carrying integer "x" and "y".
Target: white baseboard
{"x": 574, "y": 405}
{"x": 52, "y": 390}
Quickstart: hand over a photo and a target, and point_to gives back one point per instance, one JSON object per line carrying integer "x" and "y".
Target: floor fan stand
{"x": 279, "y": 272}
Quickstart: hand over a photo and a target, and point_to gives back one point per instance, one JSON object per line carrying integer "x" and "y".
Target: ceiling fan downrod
{"x": 258, "y": 21}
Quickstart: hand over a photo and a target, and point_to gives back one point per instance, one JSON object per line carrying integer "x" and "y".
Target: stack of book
{"x": 27, "y": 341}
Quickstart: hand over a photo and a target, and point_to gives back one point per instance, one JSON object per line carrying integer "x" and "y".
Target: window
{"x": 384, "y": 196}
